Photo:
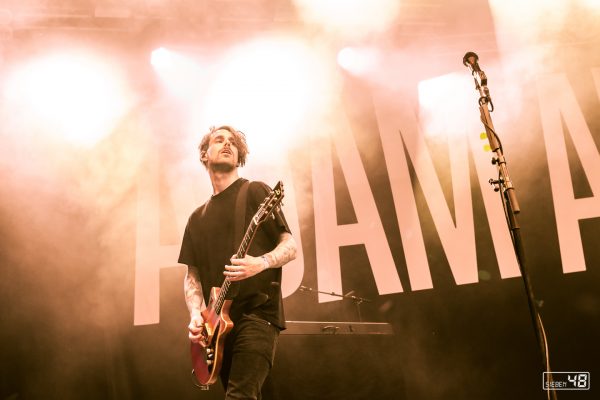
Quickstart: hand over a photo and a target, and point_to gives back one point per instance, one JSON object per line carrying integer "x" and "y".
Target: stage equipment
{"x": 504, "y": 186}
{"x": 337, "y": 328}
{"x": 357, "y": 300}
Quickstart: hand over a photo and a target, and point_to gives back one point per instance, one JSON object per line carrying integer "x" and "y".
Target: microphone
{"x": 470, "y": 60}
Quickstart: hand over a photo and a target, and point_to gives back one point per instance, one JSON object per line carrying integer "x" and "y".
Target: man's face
{"x": 222, "y": 154}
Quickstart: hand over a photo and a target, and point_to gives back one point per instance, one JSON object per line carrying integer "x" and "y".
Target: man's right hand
{"x": 196, "y": 328}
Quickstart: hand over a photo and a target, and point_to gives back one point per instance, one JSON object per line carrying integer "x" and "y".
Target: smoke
{"x": 349, "y": 18}
{"x": 543, "y": 36}
{"x": 66, "y": 219}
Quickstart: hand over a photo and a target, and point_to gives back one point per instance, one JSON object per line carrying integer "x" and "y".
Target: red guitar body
{"x": 207, "y": 360}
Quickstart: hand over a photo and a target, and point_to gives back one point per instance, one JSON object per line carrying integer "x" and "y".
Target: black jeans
{"x": 248, "y": 357}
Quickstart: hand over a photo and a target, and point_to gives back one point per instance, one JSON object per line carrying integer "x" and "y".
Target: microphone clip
{"x": 470, "y": 60}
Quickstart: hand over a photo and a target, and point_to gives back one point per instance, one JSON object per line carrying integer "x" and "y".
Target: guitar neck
{"x": 242, "y": 250}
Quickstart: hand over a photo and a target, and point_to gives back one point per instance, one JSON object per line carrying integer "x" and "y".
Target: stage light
{"x": 347, "y": 58}
{"x": 74, "y": 96}
{"x": 442, "y": 100}
{"x": 161, "y": 58}
{"x": 182, "y": 76}
{"x": 350, "y": 17}
{"x": 269, "y": 88}
{"x": 358, "y": 61}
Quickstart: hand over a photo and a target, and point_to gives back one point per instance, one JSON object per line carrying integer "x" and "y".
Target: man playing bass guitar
{"x": 256, "y": 308}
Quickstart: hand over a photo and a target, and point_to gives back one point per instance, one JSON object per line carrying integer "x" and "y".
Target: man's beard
{"x": 222, "y": 167}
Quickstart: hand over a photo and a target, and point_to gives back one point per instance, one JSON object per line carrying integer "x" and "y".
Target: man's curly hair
{"x": 239, "y": 140}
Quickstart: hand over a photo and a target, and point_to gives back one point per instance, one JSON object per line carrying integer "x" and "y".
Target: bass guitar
{"x": 208, "y": 356}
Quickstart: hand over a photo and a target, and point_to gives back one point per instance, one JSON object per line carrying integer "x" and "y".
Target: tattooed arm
{"x": 283, "y": 253}
{"x": 243, "y": 268}
{"x": 195, "y": 302}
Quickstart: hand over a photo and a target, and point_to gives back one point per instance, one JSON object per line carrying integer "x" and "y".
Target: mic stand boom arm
{"x": 357, "y": 300}
{"x": 503, "y": 184}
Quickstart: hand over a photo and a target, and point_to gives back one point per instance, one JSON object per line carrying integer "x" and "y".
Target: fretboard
{"x": 242, "y": 250}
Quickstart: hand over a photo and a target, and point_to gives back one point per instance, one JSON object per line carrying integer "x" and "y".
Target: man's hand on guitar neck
{"x": 243, "y": 268}
{"x": 196, "y": 328}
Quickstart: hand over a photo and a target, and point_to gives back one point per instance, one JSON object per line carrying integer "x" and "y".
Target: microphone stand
{"x": 511, "y": 206}
{"x": 357, "y": 300}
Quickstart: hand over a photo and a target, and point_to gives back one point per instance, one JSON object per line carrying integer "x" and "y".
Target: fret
{"x": 247, "y": 240}
{"x": 250, "y": 232}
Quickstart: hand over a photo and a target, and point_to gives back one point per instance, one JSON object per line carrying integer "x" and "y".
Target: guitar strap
{"x": 239, "y": 229}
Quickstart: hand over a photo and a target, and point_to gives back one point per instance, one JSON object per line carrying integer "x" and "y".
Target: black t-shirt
{"x": 208, "y": 244}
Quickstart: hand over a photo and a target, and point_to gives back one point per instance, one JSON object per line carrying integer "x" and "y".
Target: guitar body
{"x": 207, "y": 360}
